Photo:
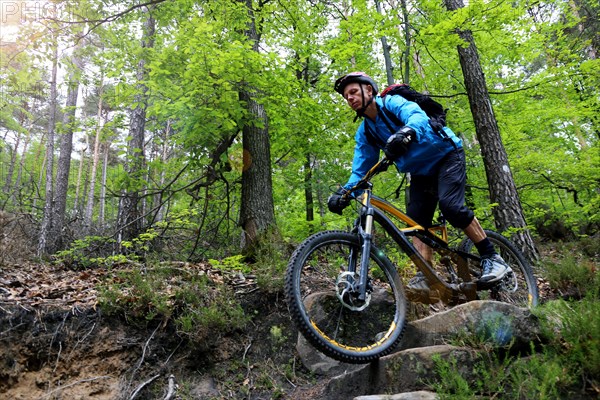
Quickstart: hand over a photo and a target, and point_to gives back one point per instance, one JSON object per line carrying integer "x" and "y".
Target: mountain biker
{"x": 436, "y": 164}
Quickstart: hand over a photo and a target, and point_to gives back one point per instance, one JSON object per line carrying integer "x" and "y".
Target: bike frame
{"x": 373, "y": 210}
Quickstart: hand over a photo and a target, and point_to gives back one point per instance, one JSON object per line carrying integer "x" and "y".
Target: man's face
{"x": 354, "y": 96}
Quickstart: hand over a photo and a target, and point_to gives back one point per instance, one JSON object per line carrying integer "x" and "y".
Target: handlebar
{"x": 381, "y": 166}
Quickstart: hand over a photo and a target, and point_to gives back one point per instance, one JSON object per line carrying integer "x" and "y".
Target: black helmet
{"x": 359, "y": 77}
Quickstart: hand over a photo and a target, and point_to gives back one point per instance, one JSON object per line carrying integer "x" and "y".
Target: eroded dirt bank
{"x": 55, "y": 343}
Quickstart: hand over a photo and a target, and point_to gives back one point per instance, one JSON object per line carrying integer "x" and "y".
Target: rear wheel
{"x": 517, "y": 287}
{"x": 320, "y": 287}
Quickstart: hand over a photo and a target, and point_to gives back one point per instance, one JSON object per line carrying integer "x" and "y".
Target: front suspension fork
{"x": 366, "y": 235}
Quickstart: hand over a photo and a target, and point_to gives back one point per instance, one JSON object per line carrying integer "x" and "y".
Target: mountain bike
{"x": 346, "y": 296}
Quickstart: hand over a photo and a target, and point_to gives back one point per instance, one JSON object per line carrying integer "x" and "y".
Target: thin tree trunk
{"x": 40, "y": 181}
{"x": 8, "y": 185}
{"x": 80, "y": 175}
{"x": 102, "y": 205}
{"x": 302, "y": 75}
{"x": 308, "y": 190}
{"x": 89, "y": 208}
{"x": 22, "y": 161}
{"x": 389, "y": 68}
{"x": 407, "y": 43}
{"x": 503, "y": 191}
{"x": 161, "y": 181}
{"x": 47, "y": 221}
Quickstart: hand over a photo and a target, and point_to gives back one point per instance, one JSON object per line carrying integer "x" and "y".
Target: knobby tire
{"x": 347, "y": 335}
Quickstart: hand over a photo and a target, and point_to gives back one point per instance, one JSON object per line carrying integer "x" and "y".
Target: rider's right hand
{"x": 337, "y": 201}
{"x": 398, "y": 143}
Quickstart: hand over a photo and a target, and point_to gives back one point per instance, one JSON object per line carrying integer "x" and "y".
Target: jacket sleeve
{"x": 365, "y": 157}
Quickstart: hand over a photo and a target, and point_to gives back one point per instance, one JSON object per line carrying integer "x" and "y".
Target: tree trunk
{"x": 407, "y": 43}
{"x": 257, "y": 211}
{"x": 80, "y": 175}
{"x": 66, "y": 149}
{"x": 102, "y": 205}
{"x": 389, "y": 68}
{"x": 308, "y": 190}
{"x": 22, "y": 162}
{"x": 89, "y": 207}
{"x": 8, "y": 185}
{"x": 161, "y": 213}
{"x": 130, "y": 218}
{"x": 47, "y": 221}
{"x": 503, "y": 191}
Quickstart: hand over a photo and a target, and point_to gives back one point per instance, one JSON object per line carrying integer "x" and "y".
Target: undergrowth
{"x": 199, "y": 308}
{"x": 567, "y": 365}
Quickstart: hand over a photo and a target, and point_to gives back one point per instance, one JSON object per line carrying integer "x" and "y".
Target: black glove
{"x": 398, "y": 143}
{"x": 337, "y": 202}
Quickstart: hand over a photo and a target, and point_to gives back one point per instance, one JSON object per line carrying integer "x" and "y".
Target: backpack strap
{"x": 390, "y": 115}
{"x": 372, "y": 138}
{"x": 436, "y": 126}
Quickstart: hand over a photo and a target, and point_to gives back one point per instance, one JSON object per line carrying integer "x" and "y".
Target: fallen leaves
{"x": 31, "y": 285}
{"x": 39, "y": 284}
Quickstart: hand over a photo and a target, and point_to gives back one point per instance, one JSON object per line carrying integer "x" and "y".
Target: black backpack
{"x": 433, "y": 109}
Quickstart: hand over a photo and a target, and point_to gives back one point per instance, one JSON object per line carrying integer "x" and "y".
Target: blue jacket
{"x": 423, "y": 154}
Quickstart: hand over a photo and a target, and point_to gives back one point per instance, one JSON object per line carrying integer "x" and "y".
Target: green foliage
{"x": 95, "y": 251}
{"x": 83, "y": 253}
{"x": 277, "y": 336}
{"x": 232, "y": 263}
{"x": 574, "y": 331}
{"x": 572, "y": 274}
{"x": 270, "y": 261}
{"x": 538, "y": 376}
{"x": 451, "y": 383}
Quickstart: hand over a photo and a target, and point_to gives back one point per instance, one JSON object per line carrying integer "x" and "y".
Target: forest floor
{"x": 56, "y": 343}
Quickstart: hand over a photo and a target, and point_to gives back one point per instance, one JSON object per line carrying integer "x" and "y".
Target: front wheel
{"x": 517, "y": 287}
{"x": 322, "y": 296}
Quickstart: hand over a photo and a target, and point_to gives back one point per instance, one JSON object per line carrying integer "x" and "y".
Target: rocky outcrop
{"x": 406, "y": 371}
{"x": 410, "y": 369}
{"x": 500, "y": 324}
{"x": 420, "y": 395}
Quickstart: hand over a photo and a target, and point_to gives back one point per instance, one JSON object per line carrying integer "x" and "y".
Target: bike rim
{"x": 362, "y": 330}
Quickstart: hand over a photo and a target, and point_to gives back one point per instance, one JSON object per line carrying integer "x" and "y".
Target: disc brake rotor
{"x": 347, "y": 292}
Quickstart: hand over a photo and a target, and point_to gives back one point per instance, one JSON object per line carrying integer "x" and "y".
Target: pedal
{"x": 486, "y": 285}
{"x": 469, "y": 286}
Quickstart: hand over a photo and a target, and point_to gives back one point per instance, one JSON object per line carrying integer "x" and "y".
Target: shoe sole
{"x": 496, "y": 279}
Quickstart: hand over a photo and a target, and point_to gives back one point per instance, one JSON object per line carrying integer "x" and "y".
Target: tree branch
{"x": 568, "y": 189}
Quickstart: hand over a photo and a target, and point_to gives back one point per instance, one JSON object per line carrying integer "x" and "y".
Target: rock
{"x": 500, "y": 324}
{"x": 318, "y": 362}
{"x": 204, "y": 388}
{"x": 420, "y": 395}
{"x": 406, "y": 371}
